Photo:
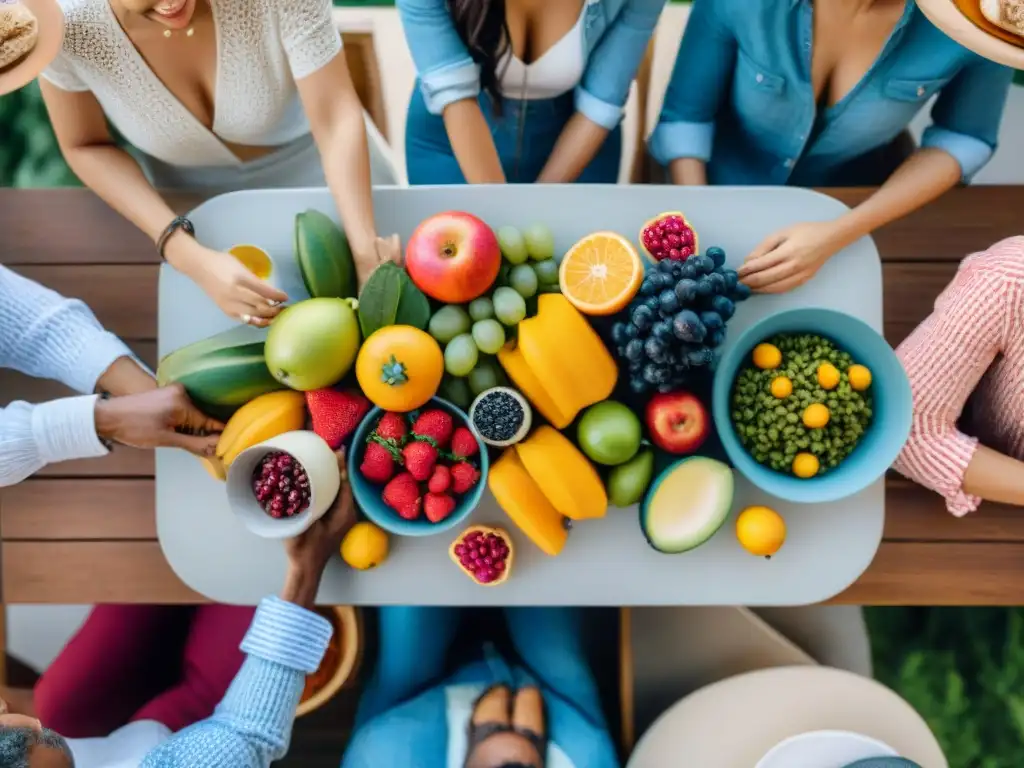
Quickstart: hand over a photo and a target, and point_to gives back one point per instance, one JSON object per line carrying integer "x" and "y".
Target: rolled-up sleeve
{"x": 700, "y": 77}
{"x": 446, "y": 71}
{"x": 967, "y": 114}
{"x": 965, "y": 333}
{"x": 613, "y": 64}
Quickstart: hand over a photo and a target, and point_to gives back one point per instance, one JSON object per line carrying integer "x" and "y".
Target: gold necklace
{"x": 188, "y": 33}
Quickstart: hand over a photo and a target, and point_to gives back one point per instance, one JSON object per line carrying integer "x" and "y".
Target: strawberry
{"x": 464, "y": 444}
{"x": 336, "y": 413}
{"x": 402, "y": 494}
{"x": 435, "y": 424}
{"x": 441, "y": 480}
{"x": 378, "y": 463}
{"x": 419, "y": 458}
{"x": 392, "y": 427}
{"x": 437, "y": 506}
{"x": 464, "y": 477}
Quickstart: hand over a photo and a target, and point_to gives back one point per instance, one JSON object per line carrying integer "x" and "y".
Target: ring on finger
{"x": 272, "y": 302}
{"x": 247, "y": 319}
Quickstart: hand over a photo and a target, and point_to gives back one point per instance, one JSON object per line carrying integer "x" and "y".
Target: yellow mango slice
{"x": 565, "y": 353}
{"x": 517, "y": 494}
{"x": 563, "y": 474}
{"x": 511, "y": 359}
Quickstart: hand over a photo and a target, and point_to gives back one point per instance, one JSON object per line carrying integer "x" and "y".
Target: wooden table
{"x": 84, "y": 531}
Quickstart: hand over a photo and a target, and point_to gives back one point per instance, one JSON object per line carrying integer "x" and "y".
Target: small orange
{"x": 781, "y": 387}
{"x": 860, "y": 377}
{"x": 806, "y": 465}
{"x": 601, "y": 273}
{"x": 828, "y": 376}
{"x": 760, "y": 530}
{"x": 767, "y": 356}
{"x": 816, "y": 416}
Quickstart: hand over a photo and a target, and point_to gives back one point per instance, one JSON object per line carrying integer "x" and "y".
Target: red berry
{"x": 437, "y": 506}
{"x": 392, "y": 426}
{"x": 441, "y": 480}
{"x": 378, "y": 463}
{"x": 435, "y": 424}
{"x": 402, "y": 494}
{"x": 335, "y": 414}
{"x": 419, "y": 458}
{"x": 464, "y": 477}
{"x": 464, "y": 444}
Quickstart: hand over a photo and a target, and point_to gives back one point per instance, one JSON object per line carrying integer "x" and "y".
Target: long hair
{"x": 484, "y": 31}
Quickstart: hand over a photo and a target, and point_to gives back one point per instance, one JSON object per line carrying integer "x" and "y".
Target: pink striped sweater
{"x": 972, "y": 342}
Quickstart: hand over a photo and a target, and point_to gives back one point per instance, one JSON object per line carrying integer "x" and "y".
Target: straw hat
{"x": 31, "y": 35}
{"x": 19, "y": 33}
{"x": 991, "y": 28}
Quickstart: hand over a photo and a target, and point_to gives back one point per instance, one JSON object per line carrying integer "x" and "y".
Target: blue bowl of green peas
{"x": 812, "y": 405}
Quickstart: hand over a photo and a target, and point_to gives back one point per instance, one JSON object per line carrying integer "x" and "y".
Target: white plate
{"x": 945, "y": 15}
{"x": 824, "y": 749}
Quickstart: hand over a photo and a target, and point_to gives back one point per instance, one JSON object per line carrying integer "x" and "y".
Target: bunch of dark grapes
{"x": 676, "y": 321}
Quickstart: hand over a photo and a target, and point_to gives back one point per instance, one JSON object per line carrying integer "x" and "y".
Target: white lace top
{"x": 263, "y": 47}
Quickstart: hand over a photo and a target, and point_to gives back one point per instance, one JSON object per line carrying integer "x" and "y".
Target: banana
{"x": 215, "y": 467}
{"x": 260, "y": 419}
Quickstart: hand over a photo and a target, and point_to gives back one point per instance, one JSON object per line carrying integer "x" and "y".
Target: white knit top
{"x": 263, "y": 47}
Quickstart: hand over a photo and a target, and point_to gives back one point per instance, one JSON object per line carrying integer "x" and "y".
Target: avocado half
{"x": 687, "y": 504}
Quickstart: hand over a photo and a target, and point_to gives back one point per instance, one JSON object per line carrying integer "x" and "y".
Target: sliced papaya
{"x": 525, "y": 504}
{"x": 511, "y": 359}
{"x": 564, "y": 351}
{"x": 563, "y": 474}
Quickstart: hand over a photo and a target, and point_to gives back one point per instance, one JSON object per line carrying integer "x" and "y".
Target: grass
{"x": 963, "y": 670}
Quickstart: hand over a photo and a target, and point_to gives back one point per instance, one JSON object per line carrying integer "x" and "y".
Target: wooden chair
{"x": 639, "y": 171}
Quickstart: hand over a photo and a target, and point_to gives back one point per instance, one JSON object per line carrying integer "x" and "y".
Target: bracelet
{"x": 108, "y": 444}
{"x": 179, "y": 222}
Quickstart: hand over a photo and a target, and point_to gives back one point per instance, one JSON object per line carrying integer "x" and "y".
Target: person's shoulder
{"x": 86, "y": 22}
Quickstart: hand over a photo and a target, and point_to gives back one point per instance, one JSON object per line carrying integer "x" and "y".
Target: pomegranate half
{"x": 484, "y": 554}
{"x": 668, "y": 236}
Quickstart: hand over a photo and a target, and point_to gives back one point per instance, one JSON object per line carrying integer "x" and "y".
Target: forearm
{"x": 471, "y": 139}
{"x": 995, "y": 477}
{"x": 118, "y": 180}
{"x": 346, "y": 158}
{"x": 579, "y": 142}
{"x": 301, "y": 586}
{"x": 689, "y": 172}
{"x": 921, "y": 178}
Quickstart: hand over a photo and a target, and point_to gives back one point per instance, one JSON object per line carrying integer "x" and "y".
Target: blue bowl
{"x": 890, "y": 390}
{"x": 367, "y": 494}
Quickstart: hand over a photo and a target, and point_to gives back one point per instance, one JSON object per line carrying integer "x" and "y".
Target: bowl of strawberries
{"x": 418, "y": 473}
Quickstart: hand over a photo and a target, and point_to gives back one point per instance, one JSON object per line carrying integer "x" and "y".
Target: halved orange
{"x": 601, "y": 273}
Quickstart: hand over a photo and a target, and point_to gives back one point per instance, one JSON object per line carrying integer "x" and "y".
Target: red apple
{"x": 453, "y": 257}
{"x": 677, "y": 422}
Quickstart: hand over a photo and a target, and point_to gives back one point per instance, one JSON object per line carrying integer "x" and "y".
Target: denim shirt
{"x": 615, "y": 37}
{"x": 741, "y": 98}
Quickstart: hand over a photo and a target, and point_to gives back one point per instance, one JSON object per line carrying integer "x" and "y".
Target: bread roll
{"x": 1005, "y": 14}
{"x": 19, "y": 32}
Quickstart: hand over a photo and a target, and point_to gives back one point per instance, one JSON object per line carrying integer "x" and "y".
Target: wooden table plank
{"x": 74, "y": 509}
{"x": 941, "y": 573}
{"x": 90, "y": 572}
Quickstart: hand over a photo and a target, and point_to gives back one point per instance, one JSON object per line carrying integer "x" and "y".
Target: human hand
{"x": 790, "y": 257}
{"x": 162, "y": 418}
{"x": 236, "y": 290}
{"x": 385, "y": 249}
{"x": 309, "y": 552}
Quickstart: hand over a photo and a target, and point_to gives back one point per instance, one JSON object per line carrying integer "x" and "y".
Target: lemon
{"x": 781, "y": 387}
{"x": 365, "y": 546}
{"x": 816, "y": 416}
{"x": 253, "y": 258}
{"x": 860, "y": 377}
{"x": 767, "y": 356}
{"x": 760, "y": 530}
{"x": 805, "y": 465}
{"x": 828, "y": 376}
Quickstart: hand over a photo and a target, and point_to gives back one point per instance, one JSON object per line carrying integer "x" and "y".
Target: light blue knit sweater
{"x": 47, "y": 336}
{"x": 252, "y": 725}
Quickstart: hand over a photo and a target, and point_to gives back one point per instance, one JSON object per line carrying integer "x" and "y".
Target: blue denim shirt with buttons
{"x": 741, "y": 98}
{"x": 615, "y": 36}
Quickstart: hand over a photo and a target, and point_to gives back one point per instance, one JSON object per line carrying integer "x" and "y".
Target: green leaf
{"x": 413, "y": 305}
{"x": 378, "y": 302}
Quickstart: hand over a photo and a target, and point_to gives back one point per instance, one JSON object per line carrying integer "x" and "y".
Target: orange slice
{"x": 253, "y": 258}
{"x": 601, "y": 273}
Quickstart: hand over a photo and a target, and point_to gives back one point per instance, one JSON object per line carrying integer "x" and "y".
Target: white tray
{"x": 606, "y": 562}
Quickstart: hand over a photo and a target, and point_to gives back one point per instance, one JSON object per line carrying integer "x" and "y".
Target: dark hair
{"x": 484, "y": 30}
{"x": 16, "y": 744}
{"x": 514, "y": 765}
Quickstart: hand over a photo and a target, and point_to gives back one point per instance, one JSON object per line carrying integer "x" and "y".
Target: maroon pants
{"x": 172, "y": 664}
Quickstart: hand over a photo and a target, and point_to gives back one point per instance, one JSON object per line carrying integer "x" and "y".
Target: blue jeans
{"x": 414, "y": 642}
{"x": 430, "y": 159}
